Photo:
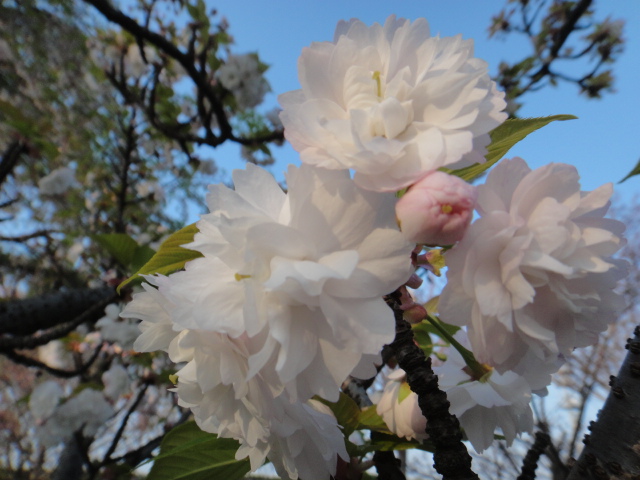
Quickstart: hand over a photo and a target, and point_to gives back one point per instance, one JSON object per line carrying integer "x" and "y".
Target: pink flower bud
{"x": 436, "y": 210}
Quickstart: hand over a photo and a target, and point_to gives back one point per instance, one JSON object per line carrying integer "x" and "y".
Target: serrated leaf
{"x": 370, "y": 420}
{"x": 346, "y": 411}
{"x": 119, "y": 245}
{"x": 188, "y": 453}
{"x": 170, "y": 257}
{"x": 141, "y": 256}
{"x": 632, "y": 173}
{"x": 503, "y": 138}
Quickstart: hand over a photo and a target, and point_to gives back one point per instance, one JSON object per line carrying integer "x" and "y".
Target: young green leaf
{"x": 422, "y": 337}
{"x": 632, "y": 173}
{"x": 189, "y": 453}
{"x": 346, "y": 412}
{"x": 502, "y": 139}
{"x": 170, "y": 257}
{"x": 119, "y": 245}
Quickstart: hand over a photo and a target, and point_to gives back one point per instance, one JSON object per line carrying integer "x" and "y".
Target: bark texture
{"x": 612, "y": 448}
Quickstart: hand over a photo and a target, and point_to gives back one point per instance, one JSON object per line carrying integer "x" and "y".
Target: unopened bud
{"x": 436, "y": 210}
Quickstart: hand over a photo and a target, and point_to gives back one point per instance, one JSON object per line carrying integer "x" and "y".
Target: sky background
{"x": 604, "y": 143}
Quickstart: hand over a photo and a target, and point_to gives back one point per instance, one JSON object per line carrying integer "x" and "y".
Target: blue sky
{"x": 604, "y": 143}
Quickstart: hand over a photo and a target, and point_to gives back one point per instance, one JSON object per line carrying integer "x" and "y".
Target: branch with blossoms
{"x": 551, "y": 34}
{"x": 224, "y": 88}
{"x": 272, "y": 300}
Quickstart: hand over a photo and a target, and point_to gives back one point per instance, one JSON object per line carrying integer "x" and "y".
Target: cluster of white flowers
{"x": 392, "y": 103}
{"x": 285, "y": 303}
{"x": 243, "y": 76}
{"x": 57, "y": 182}
{"x": 85, "y": 412}
{"x": 286, "y": 300}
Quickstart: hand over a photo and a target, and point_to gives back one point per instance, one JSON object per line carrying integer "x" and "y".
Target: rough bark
{"x": 612, "y": 449}
{"x": 24, "y": 317}
{"x": 451, "y": 458}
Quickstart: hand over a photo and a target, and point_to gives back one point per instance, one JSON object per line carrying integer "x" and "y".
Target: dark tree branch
{"x": 451, "y": 458}
{"x": 12, "y": 321}
{"x": 10, "y": 158}
{"x": 29, "y": 236}
{"x": 123, "y": 425}
{"x": 32, "y": 362}
{"x": 613, "y": 446}
{"x": 24, "y": 317}
{"x": 388, "y": 466}
{"x": 199, "y": 76}
{"x": 530, "y": 463}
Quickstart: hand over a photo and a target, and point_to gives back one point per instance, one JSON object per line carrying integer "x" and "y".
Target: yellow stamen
{"x": 173, "y": 379}
{"x": 241, "y": 277}
{"x": 447, "y": 208}
{"x": 376, "y": 77}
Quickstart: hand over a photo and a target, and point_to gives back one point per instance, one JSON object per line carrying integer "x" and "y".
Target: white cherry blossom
{"x": 57, "y": 182}
{"x": 482, "y": 405}
{"x": 402, "y": 415}
{"x": 535, "y": 272}
{"x": 391, "y": 102}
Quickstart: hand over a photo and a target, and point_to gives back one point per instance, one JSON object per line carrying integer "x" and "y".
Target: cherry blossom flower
{"x": 215, "y": 384}
{"x": 294, "y": 307}
{"x": 535, "y": 272}
{"x": 437, "y": 209}
{"x": 86, "y": 412}
{"x": 308, "y": 268}
{"x": 242, "y": 75}
{"x": 57, "y": 182}
{"x": 398, "y": 407}
{"x": 484, "y": 403}
{"x": 44, "y": 399}
{"x": 392, "y": 103}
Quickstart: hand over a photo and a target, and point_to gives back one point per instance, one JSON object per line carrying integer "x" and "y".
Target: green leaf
{"x": 503, "y": 138}
{"x": 422, "y": 337}
{"x": 346, "y": 412}
{"x": 403, "y": 392}
{"x": 188, "y": 453}
{"x": 171, "y": 256}
{"x": 635, "y": 171}
{"x": 429, "y": 327}
{"x": 370, "y": 420}
{"x": 119, "y": 245}
{"x": 141, "y": 256}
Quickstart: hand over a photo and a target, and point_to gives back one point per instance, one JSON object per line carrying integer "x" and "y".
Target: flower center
{"x": 376, "y": 77}
{"x": 446, "y": 208}
{"x": 239, "y": 277}
{"x": 481, "y": 373}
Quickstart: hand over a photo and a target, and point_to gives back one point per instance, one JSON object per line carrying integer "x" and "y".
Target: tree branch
{"x": 451, "y": 458}
{"x": 613, "y": 447}
{"x": 32, "y": 362}
{"x": 27, "y": 316}
{"x": 530, "y": 463}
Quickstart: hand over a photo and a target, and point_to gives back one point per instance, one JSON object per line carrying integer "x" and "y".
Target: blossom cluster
{"x": 286, "y": 300}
